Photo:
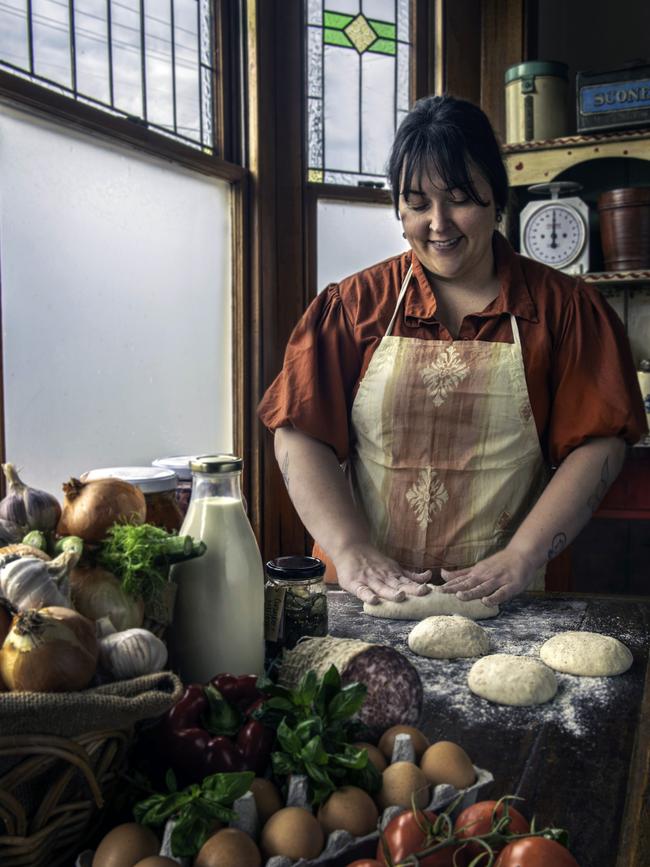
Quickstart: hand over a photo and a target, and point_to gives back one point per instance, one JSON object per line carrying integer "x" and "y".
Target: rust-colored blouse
{"x": 579, "y": 368}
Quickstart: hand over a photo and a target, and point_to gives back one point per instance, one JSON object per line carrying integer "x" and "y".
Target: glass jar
{"x": 158, "y": 487}
{"x": 295, "y": 601}
{"x": 218, "y": 623}
{"x": 180, "y": 465}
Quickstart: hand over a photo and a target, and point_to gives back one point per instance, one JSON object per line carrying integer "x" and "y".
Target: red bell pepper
{"x": 209, "y": 731}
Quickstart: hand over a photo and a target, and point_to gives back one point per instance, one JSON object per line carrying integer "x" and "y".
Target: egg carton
{"x": 340, "y": 844}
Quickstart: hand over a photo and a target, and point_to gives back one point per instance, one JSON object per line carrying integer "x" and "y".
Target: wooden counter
{"x": 581, "y": 761}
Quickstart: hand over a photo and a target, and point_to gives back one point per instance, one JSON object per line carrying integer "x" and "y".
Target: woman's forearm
{"x": 319, "y": 491}
{"x": 569, "y": 500}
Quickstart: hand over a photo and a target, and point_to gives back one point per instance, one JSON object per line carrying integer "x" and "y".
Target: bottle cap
{"x": 295, "y": 568}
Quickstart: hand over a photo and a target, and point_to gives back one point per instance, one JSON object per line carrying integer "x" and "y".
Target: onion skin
{"x": 7, "y": 612}
{"x": 51, "y": 650}
{"x": 97, "y": 593}
{"x": 91, "y": 508}
{"x": 24, "y": 551}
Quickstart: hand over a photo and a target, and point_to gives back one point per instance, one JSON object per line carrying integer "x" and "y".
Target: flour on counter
{"x": 521, "y": 628}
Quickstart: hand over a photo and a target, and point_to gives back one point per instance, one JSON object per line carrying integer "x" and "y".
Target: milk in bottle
{"x": 218, "y": 623}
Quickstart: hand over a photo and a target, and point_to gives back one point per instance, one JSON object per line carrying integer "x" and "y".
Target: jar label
{"x": 274, "y": 612}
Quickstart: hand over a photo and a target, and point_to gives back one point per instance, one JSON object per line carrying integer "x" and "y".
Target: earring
{"x": 403, "y": 234}
{"x": 499, "y": 215}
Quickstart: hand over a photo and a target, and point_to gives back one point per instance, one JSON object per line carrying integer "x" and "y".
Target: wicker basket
{"x": 51, "y": 795}
{"x": 61, "y": 755}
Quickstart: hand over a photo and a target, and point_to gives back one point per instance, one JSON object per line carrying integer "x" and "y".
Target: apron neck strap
{"x": 402, "y": 293}
{"x": 516, "y": 339}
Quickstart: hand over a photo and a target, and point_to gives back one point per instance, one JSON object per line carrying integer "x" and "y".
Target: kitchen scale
{"x": 555, "y": 231}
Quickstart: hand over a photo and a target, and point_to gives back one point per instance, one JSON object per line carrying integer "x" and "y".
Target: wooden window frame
{"x": 226, "y": 163}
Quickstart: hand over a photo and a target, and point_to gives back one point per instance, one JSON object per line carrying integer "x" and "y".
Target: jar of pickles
{"x": 295, "y": 602}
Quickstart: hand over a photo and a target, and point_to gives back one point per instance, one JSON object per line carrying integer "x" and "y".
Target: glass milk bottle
{"x": 218, "y": 623}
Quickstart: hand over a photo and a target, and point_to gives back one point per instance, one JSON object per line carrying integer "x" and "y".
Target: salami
{"x": 394, "y": 687}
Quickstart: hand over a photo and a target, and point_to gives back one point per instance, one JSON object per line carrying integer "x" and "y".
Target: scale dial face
{"x": 554, "y": 234}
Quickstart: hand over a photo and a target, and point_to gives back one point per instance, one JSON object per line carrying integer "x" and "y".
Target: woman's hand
{"x": 370, "y": 576}
{"x": 494, "y": 580}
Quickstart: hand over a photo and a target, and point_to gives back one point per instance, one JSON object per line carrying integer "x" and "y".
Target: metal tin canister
{"x": 536, "y": 101}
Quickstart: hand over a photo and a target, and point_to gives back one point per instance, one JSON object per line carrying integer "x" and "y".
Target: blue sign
{"x": 619, "y": 96}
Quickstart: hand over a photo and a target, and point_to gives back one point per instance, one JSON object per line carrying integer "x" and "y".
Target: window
{"x": 150, "y": 61}
{"x": 358, "y": 59}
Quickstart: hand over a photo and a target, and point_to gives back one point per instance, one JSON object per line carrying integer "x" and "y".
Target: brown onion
{"x": 97, "y": 593}
{"x": 91, "y": 508}
{"x": 7, "y": 612}
{"x": 51, "y": 650}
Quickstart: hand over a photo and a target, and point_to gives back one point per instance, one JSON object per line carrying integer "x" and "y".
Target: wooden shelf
{"x": 540, "y": 162}
{"x": 620, "y": 278}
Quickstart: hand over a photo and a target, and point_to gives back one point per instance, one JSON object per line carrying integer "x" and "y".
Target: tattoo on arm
{"x": 284, "y": 469}
{"x": 559, "y": 541}
{"x": 601, "y": 487}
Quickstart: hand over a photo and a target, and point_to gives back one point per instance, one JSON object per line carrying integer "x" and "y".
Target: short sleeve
{"x": 313, "y": 391}
{"x": 594, "y": 382}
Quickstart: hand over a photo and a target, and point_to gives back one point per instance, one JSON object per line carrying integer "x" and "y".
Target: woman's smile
{"x": 449, "y": 232}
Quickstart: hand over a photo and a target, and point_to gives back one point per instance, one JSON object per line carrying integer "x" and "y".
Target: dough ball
{"x": 436, "y": 602}
{"x": 448, "y": 637}
{"x": 507, "y": 679}
{"x": 589, "y": 654}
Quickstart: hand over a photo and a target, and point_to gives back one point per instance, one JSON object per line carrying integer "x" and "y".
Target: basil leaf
{"x": 329, "y": 687}
{"x": 190, "y": 833}
{"x": 347, "y": 702}
{"x": 170, "y": 781}
{"x": 158, "y": 808}
{"x": 288, "y": 739}
{"x": 226, "y": 788}
{"x": 282, "y": 764}
{"x": 313, "y": 752}
{"x": 319, "y": 775}
{"x": 367, "y": 778}
{"x": 308, "y": 688}
{"x": 221, "y": 718}
{"x": 351, "y": 758}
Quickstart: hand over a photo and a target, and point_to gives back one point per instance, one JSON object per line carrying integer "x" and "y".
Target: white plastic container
{"x": 218, "y": 623}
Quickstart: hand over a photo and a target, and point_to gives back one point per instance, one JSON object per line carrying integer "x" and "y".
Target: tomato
{"x": 403, "y": 836}
{"x": 535, "y": 852}
{"x": 476, "y": 820}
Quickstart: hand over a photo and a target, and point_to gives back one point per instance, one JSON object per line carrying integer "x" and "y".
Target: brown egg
{"x": 387, "y": 740}
{"x": 374, "y": 755}
{"x": 401, "y": 782}
{"x": 267, "y": 798}
{"x": 157, "y": 861}
{"x": 293, "y": 832}
{"x": 446, "y": 762}
{"x": 228, "y": 848}
{"x": 350, "y": 809}
{"x": 125, "y": 845}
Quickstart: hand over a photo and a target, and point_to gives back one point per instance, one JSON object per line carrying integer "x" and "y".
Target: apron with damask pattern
{"x": 445, "y": 460}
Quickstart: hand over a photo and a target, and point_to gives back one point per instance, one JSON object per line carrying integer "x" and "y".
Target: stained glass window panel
{"x": 358, "y": 87}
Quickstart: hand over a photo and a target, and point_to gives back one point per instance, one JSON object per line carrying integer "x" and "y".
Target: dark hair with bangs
{"x": 443, "y": 134}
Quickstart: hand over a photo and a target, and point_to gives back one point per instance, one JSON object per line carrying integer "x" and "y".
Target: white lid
{"x": 180, "y": 464}
{"x": 148, "y": 479}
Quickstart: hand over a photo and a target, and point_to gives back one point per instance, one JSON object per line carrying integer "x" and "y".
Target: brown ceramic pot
{"x": 625, "y": 228}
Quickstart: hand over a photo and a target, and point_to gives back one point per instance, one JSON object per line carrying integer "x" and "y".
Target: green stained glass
{"x": 336, "y": 20}
{"x": 336, "y": 37}
{"x": 383, "y": 46}
{"x": 386, "y": 31}
{"x": 358, "y": 86}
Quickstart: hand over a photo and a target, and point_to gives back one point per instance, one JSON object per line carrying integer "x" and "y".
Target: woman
{"x": 450, "y": 380}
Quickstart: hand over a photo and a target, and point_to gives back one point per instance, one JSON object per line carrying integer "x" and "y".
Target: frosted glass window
{"x": 352, "y": 236}
{"x": 144, "y": 59}
{"x": 116, "y": 294}
{"x": 358, "y": 87}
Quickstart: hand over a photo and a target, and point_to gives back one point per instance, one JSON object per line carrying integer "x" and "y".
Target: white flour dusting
{"x": 521, "y": 628}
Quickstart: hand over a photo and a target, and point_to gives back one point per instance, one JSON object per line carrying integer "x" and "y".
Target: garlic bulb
{"x": 132, "y": 653}
{"x": 28, "y": 507}
{"x": 29, "y": 582}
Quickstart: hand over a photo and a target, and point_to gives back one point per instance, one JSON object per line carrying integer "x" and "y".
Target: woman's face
{"x": 450, "y": 234}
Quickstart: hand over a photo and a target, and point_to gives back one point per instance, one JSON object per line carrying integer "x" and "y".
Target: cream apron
{"x": 445, "y": 460}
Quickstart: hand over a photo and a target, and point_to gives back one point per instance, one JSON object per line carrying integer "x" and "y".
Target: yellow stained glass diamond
{"x": 360, "y": 33}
